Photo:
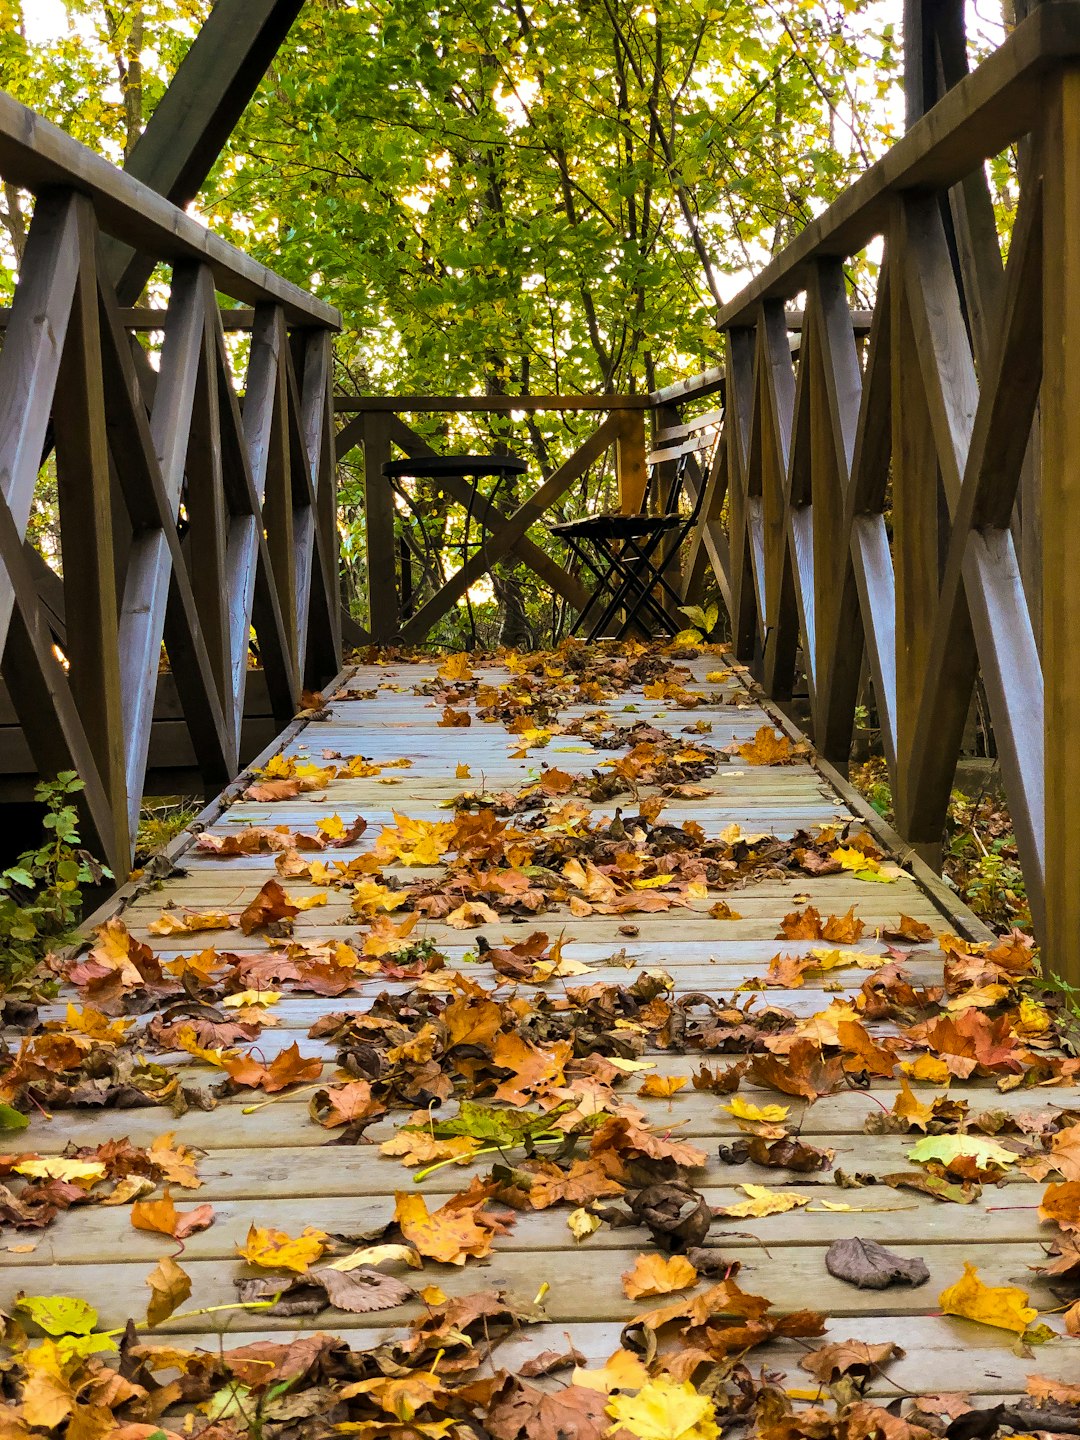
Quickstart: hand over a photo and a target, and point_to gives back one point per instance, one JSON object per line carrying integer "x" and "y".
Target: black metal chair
{"x": 447, "y": 467}
{"x": 620, "y": 551}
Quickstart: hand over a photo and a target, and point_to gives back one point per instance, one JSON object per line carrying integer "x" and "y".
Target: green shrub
{"x": 41, "y": 895}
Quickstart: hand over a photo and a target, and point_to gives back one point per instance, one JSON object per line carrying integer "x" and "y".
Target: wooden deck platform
{"x": 274, "y": 1166}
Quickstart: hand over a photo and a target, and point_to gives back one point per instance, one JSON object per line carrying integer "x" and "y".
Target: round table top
{"x": 433, "y": 467}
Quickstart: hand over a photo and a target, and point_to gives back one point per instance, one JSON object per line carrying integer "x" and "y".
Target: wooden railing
{"x": 905, "y": 503}
{"x": 912, "y": 507}
{"x": 186, "y": 520}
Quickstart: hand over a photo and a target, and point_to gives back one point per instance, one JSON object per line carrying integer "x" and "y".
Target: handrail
{"x": 37, "y": 155}
{"x": 187, "y": 520}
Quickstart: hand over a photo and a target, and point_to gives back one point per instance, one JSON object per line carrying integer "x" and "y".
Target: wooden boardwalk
{"x": 275, "y": 1166}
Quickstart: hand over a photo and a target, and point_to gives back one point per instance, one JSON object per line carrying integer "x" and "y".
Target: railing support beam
{"x": 1061, "y": 507}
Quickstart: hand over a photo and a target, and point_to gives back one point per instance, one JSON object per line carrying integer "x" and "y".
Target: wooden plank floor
{"x": 272, "y": 1166}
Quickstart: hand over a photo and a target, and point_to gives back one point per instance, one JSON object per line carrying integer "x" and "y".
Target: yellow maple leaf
{"x": 456, "y": 667}
{"x": 243, "y": 998}
{"x": 333, "y": 827}
{"x": 768, "y": 747}
{"x": 369, "y": 896}
{"x": 189, "y": 922}
{"x": 1032, "y": 1018}
{"x": 418, "y": 1147}
{"x": 763, "y": 1201}
{"x": 662, "y": 1087}
{"x": 48, "y": 1396}
{"x": 623, "y": 1371}
{"x": 1003, "y": 1306}
{"x": 664, "y": 1410}
{"x": 852, "y": 859}
{"x": 175, "y": 1161}
{"x": 85, "y": 1173}
{"x": 414, "y": 842}
{"x": 929, "y": 1068}
{"x": 825, "y": 959}
{"x": 450, "y": 1234}
{"x": 94, "y": 1024}
{"x": 743, "y": 1110}
{"x": 658, "y": 1275}
{"x": 308, "y": 902}
{"x": 274, "y": 1249}
{"x": 185, "y": 1040}
{"x": 384, "y": 937}
{"x": 583, "y": 1223}
{"x": 471, "y": 913}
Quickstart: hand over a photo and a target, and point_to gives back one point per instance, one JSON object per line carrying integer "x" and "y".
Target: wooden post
{"x": 383, "y": 616}
{"x": 83, "y": 486}
{"x": 1060, "y": 931}
{"x": 630, "y": 465}
{"x": 915, "y": 521}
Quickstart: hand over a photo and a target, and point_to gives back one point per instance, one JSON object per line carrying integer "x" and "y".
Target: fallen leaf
{"x": 768, "y": 747}
{"x": 744, "y": 1110}
{"x": 664, "y": 1410}
{"x": 829, "y": 1362}
{"x": 948, "y": 1148}
{"x": 762, "y": 1202}
{"x": 287, "y": 1068}
{"x": 658, "y": 1275}
{"x": 662, "y": 1087}
{"x": 1061, "y": 1204}
{"x": 358, "y": 1292}
{"x": 869, "y": 1266}
{"x": 582, "y": 1223}
{"x": 622, "y": 1371}
{"x": 269, "y": 905}
{"x": 163, "y": 1217}
{"x": 59, "y": 1314}
{"x": 274, "y": 1249}
{"x": 1003, "y": 1306}
{"x": 452, "y": 1234}
{"x": 169, "y": 1287}
{"x": 84, "y": 1173}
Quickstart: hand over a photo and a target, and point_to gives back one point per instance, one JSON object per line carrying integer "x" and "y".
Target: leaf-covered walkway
{"x": 512, "y": 1006}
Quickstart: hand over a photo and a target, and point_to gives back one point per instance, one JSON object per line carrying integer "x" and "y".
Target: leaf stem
{"x": 422, "y": 1175}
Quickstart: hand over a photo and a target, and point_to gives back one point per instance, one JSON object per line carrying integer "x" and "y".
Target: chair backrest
{"x": 681, "y": 452}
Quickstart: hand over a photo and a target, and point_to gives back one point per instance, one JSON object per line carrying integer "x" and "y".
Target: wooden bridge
{"x": 888, "y": 502}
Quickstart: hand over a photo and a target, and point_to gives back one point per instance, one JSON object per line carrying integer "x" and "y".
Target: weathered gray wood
{"x": 87, "y": 541}
{"x": 1060, "y": 412}
{"x": 151, "y": 567}
{"x": 38, "y": 155}
{"x": 588, "y": 1290}
{"x": 31, "y": 354}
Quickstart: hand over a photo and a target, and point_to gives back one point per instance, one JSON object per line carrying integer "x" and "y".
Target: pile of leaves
{"x": 554, "y": 1090}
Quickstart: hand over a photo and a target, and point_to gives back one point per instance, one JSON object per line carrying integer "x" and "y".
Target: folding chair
{"x": 620, "y": 551}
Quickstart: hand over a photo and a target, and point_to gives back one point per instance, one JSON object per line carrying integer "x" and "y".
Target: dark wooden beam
{"x": 146, "y": 317}
{"x": 193, "y": 120}
{"x": 38, "y": 155}
{"x": 935, "y": 53}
